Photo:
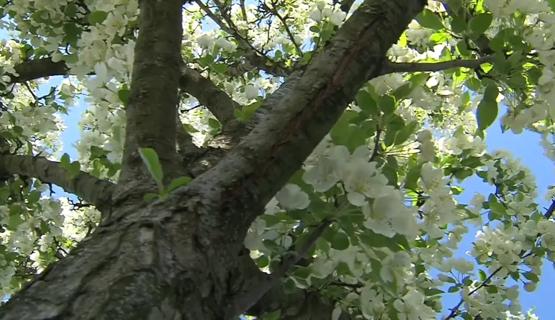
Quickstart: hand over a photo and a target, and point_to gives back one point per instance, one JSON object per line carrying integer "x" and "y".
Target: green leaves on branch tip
{"x": 178, "y": 182}
{"x": 73, "y": 168}
{"x": 154, "y": 167}
{"x": 245, "y": 113}
{"x": 152, "y": 163}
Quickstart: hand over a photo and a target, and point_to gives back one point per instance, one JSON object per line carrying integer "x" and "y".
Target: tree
{"x": 279, "y": 159}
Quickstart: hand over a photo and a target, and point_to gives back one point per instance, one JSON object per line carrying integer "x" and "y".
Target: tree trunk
{"x": 148, "y": 265}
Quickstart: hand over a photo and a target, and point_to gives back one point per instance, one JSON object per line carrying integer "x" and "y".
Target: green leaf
{"x": 432, "y": 292}
{"x": 97, "y": 153}
{"x": 394, "y": 124}
{"x": 149, "y": 197}
{"x": 366, "y": 102}
{"x": 274, "y": 315}
{"x": 483, "y": 275}
{"x": 179, "y": 182}
{"x": 386, "y": 104}
{"x": 551, "y": 4}
{"x": 123, "y": 94}
{"x": 491, "y": 92}
{"x": 189, "y": 128}
{"x": 70, "y": 10}
{"x": 453, "y": 289}
{"x": 458, "y": 24}
{"x": 480, "y": 23}
{"x": 531, "y": 276}
{"x": 245, "y": 113}
{"x": 413, "y": 173}
{"x": 215, "y": 126}
{"x": 405, "y": 132}
{"x": 488, "y": 107}
{"x": 96, "y": 17}
{"x": 64, "y": 161}
{"x": 396, "y": 243}
{"x": 340, "y": 241}
{"x": 74, "y": 169}
{"x": 346, "y": 132}
{"x": 71, "y": 33}
{"x": 14, "y": 219}
{"x": 491, "y": 289}
{"x": 206, "y": 60}
{"x": 428, "y": 19}
{"x": 152, "y": 163}
{"x": 495, "y": 206}
{"x": 220, "y": 67}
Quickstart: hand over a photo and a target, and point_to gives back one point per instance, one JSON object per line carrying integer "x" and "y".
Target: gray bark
{"x": 85, "y": 186}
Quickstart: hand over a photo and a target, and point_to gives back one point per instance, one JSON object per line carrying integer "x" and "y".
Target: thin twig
{"x": 376, "y": 144}
{"x": 258, "y": 58}
{"x": 287, "y": 29}
{"x": 455, "y": 309}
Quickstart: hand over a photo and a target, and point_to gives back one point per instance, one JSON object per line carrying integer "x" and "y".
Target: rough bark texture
{"x": 182, "y": 258}
{"x": 39, "y": 68}
{"x": 87, "y": 187}
{"x": 152, "y": 109}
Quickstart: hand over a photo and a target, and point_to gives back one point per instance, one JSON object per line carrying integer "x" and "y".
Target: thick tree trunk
{"x": 148, "y": 265}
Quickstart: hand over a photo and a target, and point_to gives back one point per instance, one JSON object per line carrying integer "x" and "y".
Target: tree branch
{"x": 191, "y": 81}
{"x": 295, "y": 119}
{"x": 254, "y": 56}
{"x": 259, "y": 288}
{"x": 283, "y": 20}
{"x": 455, "y": 309}
{"x": 391, "y": 67}
{"x": 151, "y": 113}
{"x": 345, "y": 5}
{"x": 208, "y": 94}
{"x": 85, "y": 186}
{"x": 39, "y": 68}
{"x": 302, "y": 111}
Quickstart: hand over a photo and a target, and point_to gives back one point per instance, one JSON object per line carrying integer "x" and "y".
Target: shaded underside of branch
{"x": 295, "y": 304}
{"x": 39, "y": 68}
{"x": 208, "y": 94}
{"x": 85, "y": 186}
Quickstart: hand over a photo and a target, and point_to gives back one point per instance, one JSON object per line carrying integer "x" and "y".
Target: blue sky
{"x": 525, "y": 147}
